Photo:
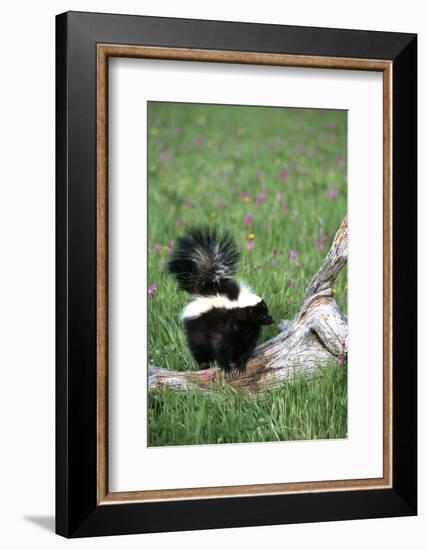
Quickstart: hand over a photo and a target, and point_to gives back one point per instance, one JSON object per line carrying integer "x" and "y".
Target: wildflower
{"x": 250, "y": 245}
{"x": 289, "y": 301}
{"x": 248, "y": 219}
{"x": 153, "y": 169}
{"x": 152, "y": 289}
{"x": 322, "y": 240}
{"x": 157, "y": 247}
{"x": 154, "y": 131}
{"x": 285, "y": 209}
{"x": 209, "y": 373}
{"x": 251, "y": 236}
{"x": 293, "y": 254}
{"x": 246, "y": 197}
{"x": 221, "y": 205}
{"x": 198, "y": 140}
{"x": 331, "y": 193}
{"x": 290, "y": 282}
{"x": 283, "y": 174}
{"x": 261, "y": 197}
{"x": 279, "y": 197}
{"x": 213, "y": 215}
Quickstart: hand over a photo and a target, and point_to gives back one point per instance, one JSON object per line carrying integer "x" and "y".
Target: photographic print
{"x": 203, "y": 269}
{"x": 247, "y": 282}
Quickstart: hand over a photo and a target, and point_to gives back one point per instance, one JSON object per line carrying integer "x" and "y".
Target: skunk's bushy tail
{"x": 203, "y": 260}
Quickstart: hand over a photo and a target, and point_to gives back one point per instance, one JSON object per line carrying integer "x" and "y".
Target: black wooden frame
{"x": 77, "y": 512}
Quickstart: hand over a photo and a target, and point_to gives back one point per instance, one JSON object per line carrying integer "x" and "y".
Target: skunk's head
{"x": 257, "y": 314}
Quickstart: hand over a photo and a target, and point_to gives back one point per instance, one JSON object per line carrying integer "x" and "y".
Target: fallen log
{"x": 315, "y": 337}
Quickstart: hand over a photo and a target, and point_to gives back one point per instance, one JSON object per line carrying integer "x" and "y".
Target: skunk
{"x": 222, "y": 322}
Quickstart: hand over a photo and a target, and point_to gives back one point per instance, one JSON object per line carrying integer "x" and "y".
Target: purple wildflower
{"x": 209, "y": 373}
{"x": 322, "y": 240}
{"x": 331, "y": 193}
{"x": 248, "y": 219}
{"x": 290, "y": 282}
{"x": 198, "y": 140}
{"x": 157, "y": 247}
{"x": 286, "y": 209}
{"x": 250, "y": 245}
{"x": 293, "y": 254}
{"x": 152, "y": 289}
{"x": 261, "y": 197}
{"x": 283, "y": 174}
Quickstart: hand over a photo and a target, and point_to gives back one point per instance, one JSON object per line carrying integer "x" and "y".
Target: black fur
{"x": 227, "y": 336}
{"x": 204, "y": 263}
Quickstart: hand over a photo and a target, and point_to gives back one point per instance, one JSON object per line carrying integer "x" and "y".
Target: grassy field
{"x": 276, "y": 179}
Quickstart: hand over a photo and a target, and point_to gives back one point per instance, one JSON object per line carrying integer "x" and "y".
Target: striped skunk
{"x": 222, "y": 322}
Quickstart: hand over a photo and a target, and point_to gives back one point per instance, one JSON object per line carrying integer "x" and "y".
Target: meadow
{"x": 276, "y": 179}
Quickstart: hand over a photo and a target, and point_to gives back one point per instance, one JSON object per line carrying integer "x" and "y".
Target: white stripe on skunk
{"x": 202, "y": 304}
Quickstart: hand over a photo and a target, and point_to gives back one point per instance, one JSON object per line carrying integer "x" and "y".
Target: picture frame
{"x": 84, "y": 44}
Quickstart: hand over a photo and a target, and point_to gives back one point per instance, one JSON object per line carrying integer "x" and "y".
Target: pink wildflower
{"x": 286, "y": 209}
{"x": 290, "y": 282}
{"x": 209, "y": 373}
{"x": 250, "y": 245}
{"x": 293, "y": 254}
{"x": 261, "y": 197}
{"x": 279, "y": 197}
{"x": 152, "y": 289}
{"x": 157, "y": 247}
{"x": 331, "y": 193}
{"x": 283, "y": 174}
{"x": 248, "y": 219}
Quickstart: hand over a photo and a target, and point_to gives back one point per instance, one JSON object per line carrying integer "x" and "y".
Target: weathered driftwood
{"x": 316, "y": 336}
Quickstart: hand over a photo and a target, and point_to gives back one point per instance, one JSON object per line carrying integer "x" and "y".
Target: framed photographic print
{"x": 236, "y": 274}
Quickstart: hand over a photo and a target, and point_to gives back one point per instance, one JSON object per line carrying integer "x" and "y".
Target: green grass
{"x": 208, "y": 164}
{"x": 305, "y": 409}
